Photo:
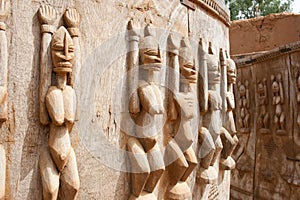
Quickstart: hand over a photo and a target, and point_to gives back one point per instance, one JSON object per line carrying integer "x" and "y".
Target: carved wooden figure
{"x": 228, "y": 131}
{"x": 57, "y": 163}
{"x": 298, "y": 98}
{"x": 263, "y": 116}
{"x": 180, "y": 156}
{"x": 3, "y": 60}
{"x": 145, "y": 157}
{"x": 277, "y": 102}
{"x": 244, "y": 105}
{"x": 4, "y": 10}
{"x": 209, "y": 134}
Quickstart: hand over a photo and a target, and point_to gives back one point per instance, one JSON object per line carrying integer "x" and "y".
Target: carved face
{"x": 187, "y": 66}
{"x": 242, "y": 90}
{"x": 213, "y": 68}
{"x": 150, "y": 54}
{"x": 260, "y": 89}
{"x": 62, "y": 49}
{"x": 231, "y": 72}
{"x": 275, "y": 86}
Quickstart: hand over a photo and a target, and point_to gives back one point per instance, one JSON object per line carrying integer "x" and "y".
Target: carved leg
{"x": 266, "y": 121}
{"x": 49, "y": 175}
{"x": 177, "y": 189}
{"x": 219, "y": 147}
{"x": 69, "y": 184}
{"x": 191, "y": 158}
{"x": 175, "y": 162}
{"x": 276, "y": 122}
{"x": 246, "y": 124}
{"x": 241, "y": 122}
{"x": 281, "y": 121}
{"x": 157, "y": 168}
{"x": 139, "y": 166}
{"x": 230, "y": 143}
{"x": 206, "y": 173}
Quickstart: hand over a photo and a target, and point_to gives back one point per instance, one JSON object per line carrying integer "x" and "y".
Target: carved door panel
{"x": 273, "y": 128}
{"x": 268, "y": 123}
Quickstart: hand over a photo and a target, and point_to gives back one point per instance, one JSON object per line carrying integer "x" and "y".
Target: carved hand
{"x": 72, "y": 18}
{"x": 3, "y": 10}
{"x": 47, "y": 14}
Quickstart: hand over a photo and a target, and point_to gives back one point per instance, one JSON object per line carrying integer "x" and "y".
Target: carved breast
{"x": 61, "y": 104}
{"x": 150, "y": 97}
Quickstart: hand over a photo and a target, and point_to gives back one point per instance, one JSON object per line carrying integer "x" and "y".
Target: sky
{"x": 296, "y": 6}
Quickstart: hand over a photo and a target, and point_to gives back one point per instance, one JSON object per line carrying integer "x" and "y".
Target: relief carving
{"x": 146, "y": 161}
{"x": 180, "y": 156}
{"x": 228, "y": 131}
{"x": 4, "y": 10}
{"x": 277, "y": 102}
{"x": 244, "y": 105}
{"x": 57, "y": 163}
{"x": 262, "y": 98}
{"x": 209, "y": 134}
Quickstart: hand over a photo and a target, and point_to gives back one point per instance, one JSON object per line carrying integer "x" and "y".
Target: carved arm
{"x": 72, "y": 19}
{"x": 47, "y": 16}
{"x": 202, "y": 79}
{"x": 132, "y": 68}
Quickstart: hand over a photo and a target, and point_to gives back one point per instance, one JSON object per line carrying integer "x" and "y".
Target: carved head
{"x": 242, "y": 90}
{"x": 231, "y": 72}
{"x": 62, "y": 49}
{"x": 187, "y": 65}
{"x": 275, "y": 86}
{"x": 149, "y": 52}
{"x": 260, "y": 88}
{"x": 213, "y": 68}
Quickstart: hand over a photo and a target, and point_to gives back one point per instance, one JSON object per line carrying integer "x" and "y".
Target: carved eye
{"x": 58, "y": 47}
{"x": 152, "y": 52}
{"x": 71, "y": 48}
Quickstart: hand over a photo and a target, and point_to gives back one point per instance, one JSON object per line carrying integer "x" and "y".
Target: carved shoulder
{"x": 55, "y": 105}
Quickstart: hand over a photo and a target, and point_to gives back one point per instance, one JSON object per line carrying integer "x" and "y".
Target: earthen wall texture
{"x": 264, "y": 33}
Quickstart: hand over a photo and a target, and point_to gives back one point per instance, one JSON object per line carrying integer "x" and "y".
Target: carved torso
{"x": 212, "y": 119}
{"x": 61, "y": 105}
{"x": 151, "y": 105}
{"x": 230, "y": 101}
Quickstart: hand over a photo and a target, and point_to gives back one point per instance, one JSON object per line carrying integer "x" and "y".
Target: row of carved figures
{"x": 217, "y": 138}
{"x": 262, "y": 103}
{"x": 60, "y": 57}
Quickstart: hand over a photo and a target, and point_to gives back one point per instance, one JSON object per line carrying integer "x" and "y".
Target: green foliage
{"x": 245, "y": 9}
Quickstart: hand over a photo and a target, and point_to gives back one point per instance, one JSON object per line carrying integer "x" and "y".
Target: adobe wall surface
{"x": 264, "y": 33}
{"x": 96, "y": 136}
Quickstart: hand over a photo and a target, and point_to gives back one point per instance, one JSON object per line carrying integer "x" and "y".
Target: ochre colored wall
{"x": 264, "y": 33}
